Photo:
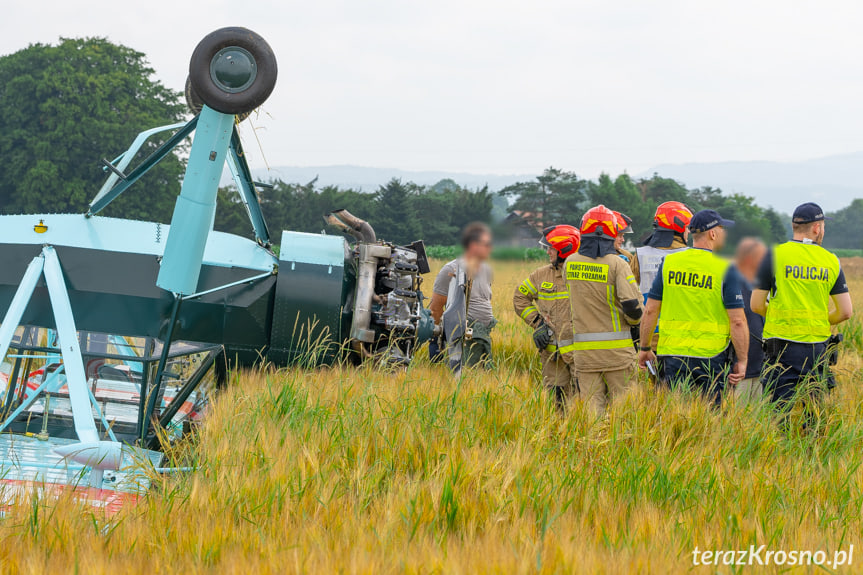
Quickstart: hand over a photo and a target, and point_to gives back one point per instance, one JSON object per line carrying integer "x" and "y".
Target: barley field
{"x": 368, "y": 471}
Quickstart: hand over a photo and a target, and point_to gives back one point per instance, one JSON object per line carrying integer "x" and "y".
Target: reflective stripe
{"x": 615, "y": 319}
{"x": 559, "y": 345}
{"x": 529, "y": 310}
{"x": 596, "y": 345}
{"x": 529, "y": 285}
{"x": 602, "y": 336}
{"x": 631, "y": 279}
{"x": 551, "y": 296}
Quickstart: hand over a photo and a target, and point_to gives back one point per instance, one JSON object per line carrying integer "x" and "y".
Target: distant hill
{"x": 832, "y": 181}
{"x": 369, "y": 179}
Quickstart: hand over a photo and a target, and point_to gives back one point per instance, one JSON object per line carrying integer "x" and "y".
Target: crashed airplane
{"x": 116, "y": 332}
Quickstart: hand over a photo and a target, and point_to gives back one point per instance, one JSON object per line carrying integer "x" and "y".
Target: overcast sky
{"x": 511, "y": 87}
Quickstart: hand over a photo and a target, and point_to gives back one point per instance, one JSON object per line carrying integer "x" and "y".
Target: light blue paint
{"x": 128, "y": 236}
{"x": 196, "y": 206}
{"x": 12, "y": 319}
{"x": 101, "y": 415}
{"x": 249, "y": 196}
{"x": 300, "y": 247}
{"x": 125, "y": 158}
{"x": 70, "y": 347}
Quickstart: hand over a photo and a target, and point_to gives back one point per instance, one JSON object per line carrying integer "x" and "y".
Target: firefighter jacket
{"x": 543, "y": 295}
{"x": 597, "y": 286}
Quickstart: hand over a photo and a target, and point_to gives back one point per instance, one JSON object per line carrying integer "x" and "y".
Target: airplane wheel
{"x": 233, "y": 70}
{"x": 195, "y": 104}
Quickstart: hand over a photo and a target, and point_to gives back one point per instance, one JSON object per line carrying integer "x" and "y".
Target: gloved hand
{"x": 542, "y": 336}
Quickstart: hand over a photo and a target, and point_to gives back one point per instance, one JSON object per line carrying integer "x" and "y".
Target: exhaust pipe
{"x": 368, "y": 256}
{"x": 367, "y": 268}
{"x": 349, "y": 223}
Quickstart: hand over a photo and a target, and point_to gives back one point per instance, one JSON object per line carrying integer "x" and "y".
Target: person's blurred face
{"x": 481, "y": 248}
{"x": 820, "y": 233}
{"x": 618, "y": 241}
{"x": 749, "y": 264}
{"x": 552, "y": 255}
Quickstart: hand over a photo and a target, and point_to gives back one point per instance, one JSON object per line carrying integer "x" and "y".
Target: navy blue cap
{"x": 808, "y": 213}
{"x": 707, "y": 220}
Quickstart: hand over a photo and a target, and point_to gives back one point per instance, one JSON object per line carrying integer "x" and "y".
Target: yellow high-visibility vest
{"x": 694, "y": 321}
{"x": 799, "y": 309}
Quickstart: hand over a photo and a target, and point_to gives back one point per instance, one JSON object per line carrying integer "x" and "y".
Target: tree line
{"x": 559, "y": 196}
{"x": 400, "y": 212}
{"x": 404, "y": 211}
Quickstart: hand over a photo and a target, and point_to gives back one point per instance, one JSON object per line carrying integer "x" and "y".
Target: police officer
{"x": 702, "y": 309}
{"x": 801, "y": 278}
{"x": 605, "y": 301}
{"x": 542, "y": 301}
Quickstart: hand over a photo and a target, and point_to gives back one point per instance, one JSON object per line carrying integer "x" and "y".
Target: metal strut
{"x": 48, "y": 263}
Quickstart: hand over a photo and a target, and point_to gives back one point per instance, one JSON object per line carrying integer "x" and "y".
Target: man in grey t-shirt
{"x": 477, "y": 244}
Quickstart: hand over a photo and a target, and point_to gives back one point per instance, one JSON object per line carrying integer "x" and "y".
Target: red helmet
{"x": 624, "y": 223}
{"x": 673, "y": 216}
{"x": 599, "y": 221}
{"x": 563, "y": 239}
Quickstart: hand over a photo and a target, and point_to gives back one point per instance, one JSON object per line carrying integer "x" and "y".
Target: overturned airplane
{"x": 116, "y": 331}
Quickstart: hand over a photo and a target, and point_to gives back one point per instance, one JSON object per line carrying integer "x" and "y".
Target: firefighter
{"x": 542, "y": 301}
{"x": 801, "y": 279}
{"x": 604, "y": 302}
{"x": 624, "y": 226}
{"x": 670, "y": 234}
{"x": 702, "y": 310}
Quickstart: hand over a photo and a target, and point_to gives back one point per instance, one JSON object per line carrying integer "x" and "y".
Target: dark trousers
{"x": 795, "y": 370}
{"x": 704, "y": 374}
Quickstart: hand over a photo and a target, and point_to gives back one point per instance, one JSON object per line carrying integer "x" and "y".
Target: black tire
{"x": 257, "y": 71}
{"x": 195, "y": 104}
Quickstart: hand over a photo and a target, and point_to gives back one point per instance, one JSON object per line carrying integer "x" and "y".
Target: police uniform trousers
{"x": 704, "y": 374}
{"x": 791, "y": 368}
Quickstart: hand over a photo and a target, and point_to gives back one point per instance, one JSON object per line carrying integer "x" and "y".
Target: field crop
{"x": 372, "y": 471}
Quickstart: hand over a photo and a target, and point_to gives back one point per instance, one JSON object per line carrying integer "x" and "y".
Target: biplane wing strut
{"x": 91, "y": 451}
